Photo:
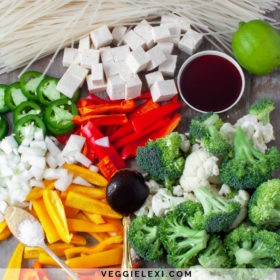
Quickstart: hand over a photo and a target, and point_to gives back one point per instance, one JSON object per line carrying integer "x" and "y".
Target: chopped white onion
{"x": 51, "y": 173}
{"x": 3, "y": 206}
{"x": 80, "y": 181}
{"x": 8, "y": 144}
{"x": 103, "y": 142}
{"x": 36, "y": 183}
{"x": 79, "y": 157}
{"x": 53, "y": 149}
{"x": 74, "y": 144}
{"x": 40, "y": 162}
{"x": 37, "y": 172}
{"x": 63, "y": 183}
{"x": 94, "y": 168}
{"x": 51, "y": 161}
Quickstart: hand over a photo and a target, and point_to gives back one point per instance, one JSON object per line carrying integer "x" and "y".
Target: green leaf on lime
{"x": 256, "y": 46}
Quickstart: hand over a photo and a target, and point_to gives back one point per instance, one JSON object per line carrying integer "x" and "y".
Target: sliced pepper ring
{"x": 28, "y": 121}
{"x": 4, "y": 127}
{"x": 14, "y": 95}
{"x": 47, "y": 91}
{"x": 3, "y": 106}
{"x": 26, "y": 108}
{"x": 58, "y": 116}
{"x": 29, "y": 82}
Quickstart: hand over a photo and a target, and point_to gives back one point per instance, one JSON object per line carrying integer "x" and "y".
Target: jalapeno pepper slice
{"x": 24, "y": 126}
{"x": 47, "y": 92}
{"x": 3, "y": 106}
{"x": 27, "y": 108}
{"x": 58, "y": 116}
{"x": 29, "y": 82}
{"x": 14, "y": 96}
{"x": 4, "y": 127}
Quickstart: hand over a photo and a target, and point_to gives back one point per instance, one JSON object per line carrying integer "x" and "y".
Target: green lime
{"x": 256, "y": 46}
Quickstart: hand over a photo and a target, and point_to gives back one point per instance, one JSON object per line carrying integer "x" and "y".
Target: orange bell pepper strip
{"x": 46, "y": 221}
{"x": 13, "y": 268}
{"x": 78, "y": 240}
{"x": 95, "y": 218}
{"x": 88, "y": 191}
{"x": 102, "y": 246}
{"x": 121, "y": 107}
{"x": 56, "y": 211}
{"x": 90, "y": 176}
{"x": 116, "y": 222}
{"x": 3, "y": 225}
{"x": 104, "y": 120}
{"x": 107, "y": 167}
{"x": 5, "y": 234}
{"x": 45, "y": 259}
{"x": 40, "y": 271}
{"x": 76, "y": 225}
{"x": 101, "y": 259}
{"x": 29, "y": 274}
{"x": 57, "y": 248}
{"x": 70, "y": 212}
{"x": 90, "y": 205}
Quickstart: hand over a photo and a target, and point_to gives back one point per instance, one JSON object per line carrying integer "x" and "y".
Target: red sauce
{"x": 210, "y": 83}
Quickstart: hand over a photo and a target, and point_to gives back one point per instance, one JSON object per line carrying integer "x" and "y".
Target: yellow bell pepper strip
{"x": 101, "y": 259}
{"x": 90, "y": 176}
{"x": 76, "y": 225}
{"x": 5, "y": 234}
{"x": 47, "y": 223}
{"x": 56, "y": 211}
{"x": 47, "y": 260}
{"x": 88, "y": 191}
{"x": 90, "y": 205}
{"x": 95, "y": 218}
{"x": 116, "y": 222}
{"x": 3, "y": 225}
{"x": 13, "y": 269}
{"x": 57, "y": 248}
{"x": 71, "y": 212}
{"x": 78, "y": 240}
{"x": 102, "y": 246}
{"x": 35, "y": 194}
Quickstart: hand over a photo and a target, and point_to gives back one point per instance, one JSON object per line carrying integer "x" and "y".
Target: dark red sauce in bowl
{"x": 209, "y": 81}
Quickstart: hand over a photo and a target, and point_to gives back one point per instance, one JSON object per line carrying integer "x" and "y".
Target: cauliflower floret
{"x": 178, "y": 190}
{"x": 153, "y": 186}
{"x": 185, "y": 146}
{"x": 199, "y": 167}
{"x": 256, "y": 131}
{"x": 146, "y": 208}
{"x": 163, "y": 201}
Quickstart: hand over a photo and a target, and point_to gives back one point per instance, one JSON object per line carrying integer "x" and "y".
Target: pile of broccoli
{"x": 200, "y": 231}
{"x": 163, "y": 159}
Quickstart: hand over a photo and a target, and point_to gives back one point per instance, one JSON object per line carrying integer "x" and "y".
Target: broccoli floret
{"x": 253, "y": 248}
{"x": 247, "y": 168}
{"x": 206, "y": 129}
{"x": 261, "y": 109}
{"x": 143, "y": 236}
{"x": 215, "y": 255}
{"x": 264, "y": 205}
{"x": 162, "y": 159}
{"x": 219, "y": 213}
{"x": 182, "y": 243}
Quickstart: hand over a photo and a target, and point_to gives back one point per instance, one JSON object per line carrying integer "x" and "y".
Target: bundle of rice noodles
{"x": 32, "y": 29}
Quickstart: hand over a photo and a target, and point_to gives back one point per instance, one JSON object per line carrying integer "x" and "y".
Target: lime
{"x": 256, "y": 46}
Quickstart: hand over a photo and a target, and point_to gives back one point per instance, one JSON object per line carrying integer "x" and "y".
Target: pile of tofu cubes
{"x": 112, "y": 60}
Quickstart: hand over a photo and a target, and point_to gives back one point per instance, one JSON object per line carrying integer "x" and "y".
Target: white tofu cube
{"x": 70, "y": 56}
{"x": 144, "y": 30}
{"x": 157, "y": 57}
{"x": 89, "y": 57}
{"x": 84, "y": 43}
{"x": 95, "y": 88}
{"x": 116, "y": 87}
{"x": 175, "y": 31}
{"x": 184, "y": 23}
{"x": 137, "y": 60}
{"x": 111, "y": 68}
{"x": 124, "y": 71}
{"x": 190, "y": 42}
{"x": 97, "y": 73}
{"x": 133, "y": 40}
{"x": 120, "y": 53}
{"x": 71, "y": 80}
{"x": 168, "y": 67}
{"x": 133, "y": 87}
{"x": 118, "y": 34}
{"x": 163, "y": 90}
{"x": 153, "y": 77}
{"x": 101, "y": 37}
{"x": 160, "y": 33}
{"x": 166, "y": 47}
{"x": 106, "y": 54}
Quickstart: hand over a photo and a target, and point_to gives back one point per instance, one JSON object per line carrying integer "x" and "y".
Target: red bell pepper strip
{"x": 144, "y": 95}
{"x": 175, "y": 98}
{"x": 170, "y": 126}
{"x": 122, "y": 107}
{"x": 107, "y": 167}
{"x": 115, "y": 119}
{"x": 63, "y": 138}
{"x": 95, "y": 99}
{"x": 128, "y": 128}
{"x": 141, "y": 122}
{"x": 132, "y": 137}
{"x": 92, "y": 133}
{"x": 40, "y": 271}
